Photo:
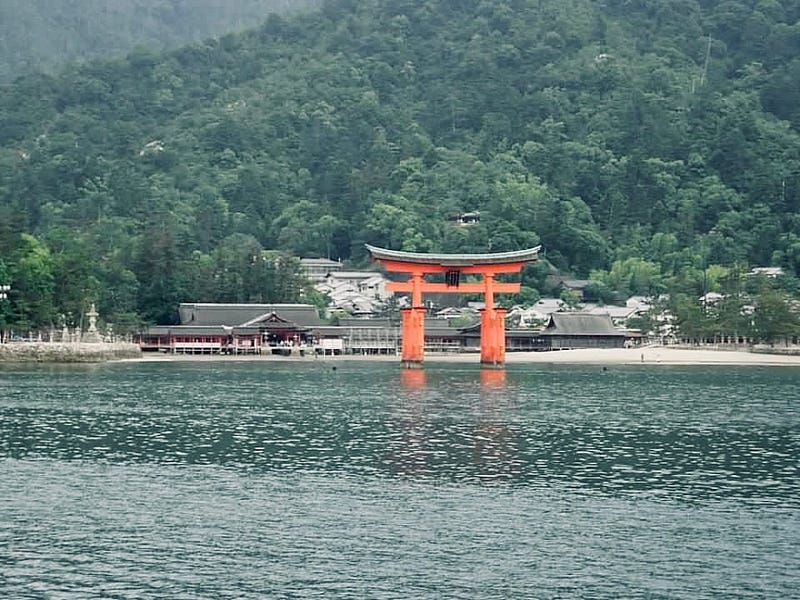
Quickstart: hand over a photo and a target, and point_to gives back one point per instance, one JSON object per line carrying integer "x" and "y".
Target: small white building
{"x": 771, "y": 272}
{"x": 634, "y": 306}
{"x": 537, "y": 314}
{"x": 711, "y": 299}
{"x": 369, "y": 283}
{"x": 317, "y": 268}
{"x": 359, "y": 293}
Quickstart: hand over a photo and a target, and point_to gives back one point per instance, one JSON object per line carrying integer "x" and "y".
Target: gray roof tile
{"x": 581, "y": 324}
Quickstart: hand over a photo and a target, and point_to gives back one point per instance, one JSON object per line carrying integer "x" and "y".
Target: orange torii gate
{"x": 418, "y": 264}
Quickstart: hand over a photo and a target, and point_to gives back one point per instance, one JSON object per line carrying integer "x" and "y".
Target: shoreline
{"x": 47, "y": 353}
{"x": 67, "y": 352}
{"x": 652, "y": 355}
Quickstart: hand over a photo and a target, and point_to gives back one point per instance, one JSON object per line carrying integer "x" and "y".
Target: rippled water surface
{"x": 358, "y": 480}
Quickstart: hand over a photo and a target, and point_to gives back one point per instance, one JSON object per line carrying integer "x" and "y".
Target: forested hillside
{"x": 43, "y": 35}
{"x": 652, "y": 144}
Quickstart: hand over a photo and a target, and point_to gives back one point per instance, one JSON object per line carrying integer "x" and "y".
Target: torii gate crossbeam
{"x": 493, "y": 338}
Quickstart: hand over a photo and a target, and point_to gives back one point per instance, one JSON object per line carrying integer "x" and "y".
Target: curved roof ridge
{"x": 460, "y": 260}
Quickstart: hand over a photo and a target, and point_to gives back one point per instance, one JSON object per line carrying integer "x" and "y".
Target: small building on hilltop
{"x": 581, "y": 330}
{"x": 468, "y": 218}
{"x": 770, "y": 272}
{"x": 570, "y": 284}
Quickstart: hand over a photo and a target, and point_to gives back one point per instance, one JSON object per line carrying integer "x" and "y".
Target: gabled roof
{"x": 234, "y": 315}
{"x": 271, "y": 317}
{"x": 581, "y": 324}
{"x": 615, "y": 312}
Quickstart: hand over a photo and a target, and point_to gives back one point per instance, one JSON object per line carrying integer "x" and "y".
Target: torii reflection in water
{"x": 428, "y": 445}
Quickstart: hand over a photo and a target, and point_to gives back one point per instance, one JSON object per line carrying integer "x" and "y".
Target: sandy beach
{"x": 607, "y": 356}
{"x": 655, "y": 356}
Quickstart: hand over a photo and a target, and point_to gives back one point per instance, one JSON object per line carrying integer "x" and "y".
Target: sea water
{"x": 339, "y": 479}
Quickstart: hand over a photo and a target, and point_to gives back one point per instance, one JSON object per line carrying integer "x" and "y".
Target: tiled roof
{"x": 581, "y": 324}
{"x": 208, "y": 314}
{"x": 189, "y": 330}
{"x": 615, "y": 312}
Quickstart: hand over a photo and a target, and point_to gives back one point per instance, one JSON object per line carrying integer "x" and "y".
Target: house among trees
{"x": 576, "y": 286}
{"x": 537, "y": 314}
{"x": 635, "y": 306}
{"x": 468, "y": 218}
{"x": 359, "y": 293}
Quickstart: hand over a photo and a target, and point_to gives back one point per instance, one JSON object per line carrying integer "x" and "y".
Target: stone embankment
{"x": 782, "y": 350}
{"x": 49, "y": 352}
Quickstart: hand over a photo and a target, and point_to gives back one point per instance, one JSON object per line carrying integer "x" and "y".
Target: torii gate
{"x": 418, "y": 264}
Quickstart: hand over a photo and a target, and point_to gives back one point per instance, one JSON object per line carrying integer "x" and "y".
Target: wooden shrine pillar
{"x": 493, "y": 337}
{"x": 413, "y": 348}
{"x": 493, "y": 326}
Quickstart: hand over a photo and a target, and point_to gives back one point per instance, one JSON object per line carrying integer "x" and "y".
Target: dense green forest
{"x": 652, "y": 145}
{"x": 43, "y": 35}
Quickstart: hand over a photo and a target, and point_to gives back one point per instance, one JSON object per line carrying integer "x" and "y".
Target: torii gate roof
{"x": 455, "y": 260}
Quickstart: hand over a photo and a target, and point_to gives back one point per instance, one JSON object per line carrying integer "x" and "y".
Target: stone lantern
{"x": 92, "y": 336}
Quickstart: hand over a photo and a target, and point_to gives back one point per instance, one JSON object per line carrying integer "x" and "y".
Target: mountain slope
{"x": 653, "y": 131}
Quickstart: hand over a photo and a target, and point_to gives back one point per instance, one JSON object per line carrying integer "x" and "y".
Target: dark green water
{"x": 295, "y": 480}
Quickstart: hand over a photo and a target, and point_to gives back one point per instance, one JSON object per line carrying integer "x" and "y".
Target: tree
{"x": 398, "y": 226}
{"x": 159, "y": 271}
{"x": 75, "y": 283}
{"x": 32, "y": 281}
{"x": 648, "y": 141}
{"x": 690, "y": 319}
{"x": 633, "y": 276}
{"x": 305, "y": 229}
{"x": 774, "y": 317}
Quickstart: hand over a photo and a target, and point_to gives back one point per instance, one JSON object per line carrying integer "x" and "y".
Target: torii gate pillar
{"x": 493, "y": 332}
